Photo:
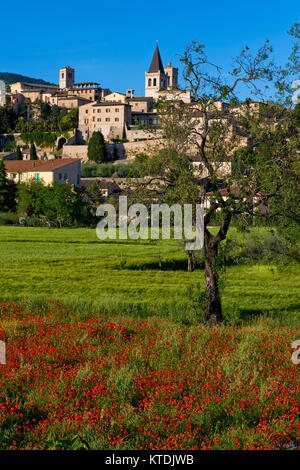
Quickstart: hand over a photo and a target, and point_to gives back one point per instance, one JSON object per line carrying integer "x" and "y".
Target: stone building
{"x": 66, "y": 78}
{"x": 62, "y": 171}
{"x": 91, "y": 91}
{"x": 109, "y": 117}
{"x": 162, "y": 81}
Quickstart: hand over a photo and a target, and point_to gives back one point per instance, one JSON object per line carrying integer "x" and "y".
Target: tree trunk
{"x": 213, "y": 310}
{"x": 191, "y": 261}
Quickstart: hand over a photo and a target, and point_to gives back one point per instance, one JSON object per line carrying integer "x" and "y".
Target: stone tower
{"x": 66, "y": 78}
{"x": 156, "y": 78}
{"x": 172, "y": 76}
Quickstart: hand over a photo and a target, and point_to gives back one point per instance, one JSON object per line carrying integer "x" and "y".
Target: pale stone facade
{"x": 60, "y": 171}
{"x": 91, "y": 91}
{"x": 66, "y": 78}
{"x": 108, "y": 117}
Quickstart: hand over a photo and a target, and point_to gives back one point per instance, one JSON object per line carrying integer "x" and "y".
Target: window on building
{"x": 107, "y": 119}
{"x": 117, "y": 110}
{"x": 108, "y": 110}
{"x": 154, "y": 81}
{"x": 149, "y": 82}
{"x": 116, "y": 119}
{"x": 59, "y": 176}
{"x": 86, "y": 111}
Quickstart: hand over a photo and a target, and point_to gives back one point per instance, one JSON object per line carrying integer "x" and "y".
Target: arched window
{"x": 154, "y": 81}
{"x": 149, "y": 82}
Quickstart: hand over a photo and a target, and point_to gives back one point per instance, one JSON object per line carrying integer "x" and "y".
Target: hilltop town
{"x": 128, "y": 123}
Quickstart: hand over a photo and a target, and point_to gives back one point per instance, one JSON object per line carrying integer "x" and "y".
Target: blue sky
{"x": 113, "y": 42}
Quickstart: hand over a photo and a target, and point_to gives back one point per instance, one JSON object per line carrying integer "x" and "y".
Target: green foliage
{"x": 69, "y": 121}
{"x": 49, "y": 123}
{"x": 108, "y": 170}
{"x": 10, "y": 146}
{"x": 41, "y": 139}
{"x": 93, "y": 197}
{"x": 7, "y": 119}
{"x": 96, "y": 148}
{"x": 8, "y": 218}
{"x": 7, "y": 201}
{"x": 10, "y": 78}
{"x": 56, "y": 204}
{"x": 19, "y": 155}
{"x": 33, "y": 155}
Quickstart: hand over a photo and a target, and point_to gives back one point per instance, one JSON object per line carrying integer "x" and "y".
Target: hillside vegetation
{"x": 10, "y": 78}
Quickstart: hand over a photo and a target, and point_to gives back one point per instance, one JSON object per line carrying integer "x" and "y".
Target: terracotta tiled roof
{"x": 109, "y": 103}
{"x": 141, "y": 98}
{"x": 23, "y": 166}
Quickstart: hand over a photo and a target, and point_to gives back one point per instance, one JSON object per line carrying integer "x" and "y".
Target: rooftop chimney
{"x": 130, "y": 93}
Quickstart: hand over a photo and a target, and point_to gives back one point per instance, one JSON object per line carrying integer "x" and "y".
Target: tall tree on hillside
{"x": 19, "y": 155}
{"x": 7, "y": 202}
{"x": 33, "y": 155}
{"x": 213, "y": 127}
{"x": 96, "y": 148}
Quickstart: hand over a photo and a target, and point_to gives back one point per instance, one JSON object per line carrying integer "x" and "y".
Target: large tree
{"x": 33, "y": 155}
{"x": 96, "y": 148}
{"x": 19, "y": 155}
{"x": 7, "y": 191}
{"x": 212, "y": 128}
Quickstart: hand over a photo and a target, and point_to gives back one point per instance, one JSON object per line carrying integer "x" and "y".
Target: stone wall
{"x": 122, "y": 151}
{"x": 75, "y": 151}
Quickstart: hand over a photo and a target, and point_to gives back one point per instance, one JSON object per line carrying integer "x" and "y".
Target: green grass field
{"x": 72, "y": 265}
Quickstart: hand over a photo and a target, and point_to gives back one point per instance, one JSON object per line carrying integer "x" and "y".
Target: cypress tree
{"x": 19, "y": 155}
{"x": 33, "y": 155}
{"x": 97, "y": 148}
{"x": 4, "y": 189}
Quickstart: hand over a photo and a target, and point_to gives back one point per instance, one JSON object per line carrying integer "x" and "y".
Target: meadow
{"x": 134, "y": 277}
{"x": 106, "y": 348}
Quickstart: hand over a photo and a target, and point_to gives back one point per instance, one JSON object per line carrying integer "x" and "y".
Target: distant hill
{"x": 9, "y": 78}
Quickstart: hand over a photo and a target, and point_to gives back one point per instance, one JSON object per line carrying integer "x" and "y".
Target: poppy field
{"x": 105, "y": 381}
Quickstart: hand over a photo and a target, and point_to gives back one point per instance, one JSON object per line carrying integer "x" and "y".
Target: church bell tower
{"x": 156, "y": 78}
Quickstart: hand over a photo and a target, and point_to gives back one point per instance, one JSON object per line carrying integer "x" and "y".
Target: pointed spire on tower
{"x": 156, "y": 64}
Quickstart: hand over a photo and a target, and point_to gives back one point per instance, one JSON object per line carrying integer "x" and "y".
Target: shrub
{"x": 8, "y": 218}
